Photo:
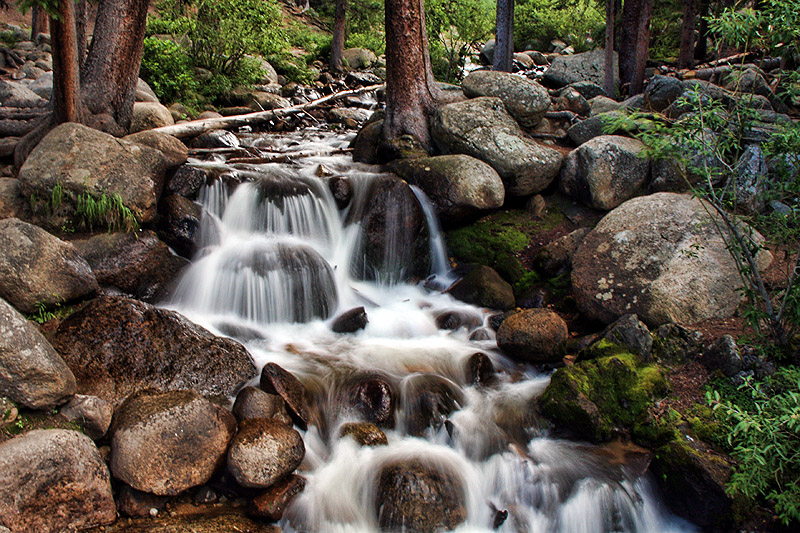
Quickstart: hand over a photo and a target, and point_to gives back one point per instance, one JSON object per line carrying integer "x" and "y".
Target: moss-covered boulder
{"x": 604, "y": 396}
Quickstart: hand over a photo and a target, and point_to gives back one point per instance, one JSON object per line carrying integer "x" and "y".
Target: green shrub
{"x": 577, "y": 22}
{"x": 167, "y": 68}
{"x": 456, "y": 28}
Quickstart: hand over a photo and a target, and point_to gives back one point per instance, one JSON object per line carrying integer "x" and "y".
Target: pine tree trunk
{"x": 634, "y": 43}
{"x": 38, "y": 22}
{"x": 686, "y": 59}
{"x": 81, "y": 22}
{"x": 337, "y": 46}
{"x": 66, "y": 79}
{"x": 701, "y": 48}
{"x": 608, "y": 80}
{"x": 111, "y": 69}
{"x": 504, "y": 36}
{"x": 411, "y": 92}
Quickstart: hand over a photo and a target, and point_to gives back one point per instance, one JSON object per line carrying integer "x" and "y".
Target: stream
{"x": 280, "y": 261}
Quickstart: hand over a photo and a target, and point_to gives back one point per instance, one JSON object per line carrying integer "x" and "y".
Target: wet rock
{"x": 484, "y": 287}
{"x": 659, "y": 257}
{"x": 180, "y": 224}
{"x": 556, "y": 256}
{"x": 525, "y": 100}
{"x": 175, "y": 152}
{"x": 32, "y": 374}
{"x": 135, "y": 503}
{"x": 350, "y": 321}
{"x": 724, "y": 356}
{"x": 263, "y": 452}
{"x": 630, "y": 332}
{"x": 52, "y": 481}
{"x": 255, "y": 403}
{"x": 661, "y": 91}
{"x": 138, "y": 264}
{"x": 276, "y": 380}
{"x": 416, "y": 496}
{"x": 453, "y": 320}
{"x": 374, "y": 400}
{"x": 149, "y": 115}
{"x": 428, "y": 399}
{"x": 483, "y": 129}
{"x": 92, "y": 413}
{"x": 186, "y": 181}
{"x": 342, "y": 190}
{"x": 534, "y": 335}
{"x": 365, "y": 145}
{"x": 479, "y": 370}
{"x": 458, "y": 186}
{"x": 215, "y": 139}
{"x": 341, "y": 115}
{"x": 118, "y": 346}
{"x": 587, "y": 67}
{"x": 273, "y": 503}
{"x": 166, "y": 442}
{"x": 605, "y": 171}
{"x": 81, "y": 159}
{"x": 38, "y": 269}
{"x": 364, "y": 433}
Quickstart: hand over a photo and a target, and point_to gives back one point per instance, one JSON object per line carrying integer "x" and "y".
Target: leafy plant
{"x": 105, "y": 210}
{"x": 42, "y": 314}
{"x": 167, "y": 68}
{"x": 455, "y": 30}
{"x": 578, "y": 22}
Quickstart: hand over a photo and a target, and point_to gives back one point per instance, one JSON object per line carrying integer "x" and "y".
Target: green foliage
{"x": 665, "y": 30}
{"x": 578, "y": 22}
{"x": 456, "y": 29}
{"x": 8, "y": 38}
{"x": 44, "y": 314}
{"x": 167, "y": 68}
{"x": 105, "y": 210}
{"x": 765, "y": 440}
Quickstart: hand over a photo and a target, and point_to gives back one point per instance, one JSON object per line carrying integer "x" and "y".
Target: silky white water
{"x": 279, "y": 262}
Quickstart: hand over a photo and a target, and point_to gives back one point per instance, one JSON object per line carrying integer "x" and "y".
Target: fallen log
{"x": 196, "y": 127}
{"x": 287, "y": 156}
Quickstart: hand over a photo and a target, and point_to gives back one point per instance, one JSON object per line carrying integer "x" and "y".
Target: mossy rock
{"x": 604, "y": 396}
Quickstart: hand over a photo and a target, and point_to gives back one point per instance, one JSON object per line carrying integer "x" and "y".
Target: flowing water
{"x": 280, "y": 260}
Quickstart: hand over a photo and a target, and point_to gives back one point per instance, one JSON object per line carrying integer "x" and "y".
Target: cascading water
{"x": 280, "y": 260}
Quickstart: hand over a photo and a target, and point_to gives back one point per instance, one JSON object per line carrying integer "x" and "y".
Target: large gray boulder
{"x": 32, "y": 374}
{"x": 525, "y": 100}
{"x": 149, "y": 115}
{"x": 82, "y": 160}
{"x": 175, "y": 152}
{"x": 15, "y": 94}
{"x": 588, "y": 66}
{"x": 458, "y": 186}
{"x": 481, "y": 127}
{"x": 166, "y": 442}
{"x": 53, "y": 480}
{"x": 359, "y": 58}
{"x": 116, "y": 346}
{"x": 263, "y": 452}
{"x": 12, "y": 204}
{"x": 660, "y": 257}
{"x": 38, "y": 269}
{"x": 605, "y": 171}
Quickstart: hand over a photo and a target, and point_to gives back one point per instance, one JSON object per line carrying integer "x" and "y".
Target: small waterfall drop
{"x": 280, "y": 260}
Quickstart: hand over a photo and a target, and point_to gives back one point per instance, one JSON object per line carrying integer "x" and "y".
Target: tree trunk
{"x": 608, "y": 80}
{"x": 634, "y": 43}
{"x": 337, "y": 46}
{"x": 686, "y": 58}
{"x": 111, "y": 69}
{"x": 81, "y": 22}
{"x": 504, "y": 36}
{"x": 411, "y": 92}
{"x": 38, "y": 22}
{"x": 66, "y": 79}
{"x": 701, "y": 48}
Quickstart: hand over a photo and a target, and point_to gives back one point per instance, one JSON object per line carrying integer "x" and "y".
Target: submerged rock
{"x": 276, "y": 380}
{"x": 350, "y": 321}
{"x": 364, "y": 433}
{"x": 427, "y": 400}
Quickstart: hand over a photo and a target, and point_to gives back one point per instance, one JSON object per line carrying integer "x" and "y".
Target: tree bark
{"x": 38, "y": 22}
{"x": 81, "y": 22}
{"x": 686, "y": 58}
{"x": 634, "y": 43}
{"x": 608, "y": 80}
{"x": 66, "y": 78}
{"x": 504, "y": 36}
{"x": 111, "y": 69}
{"x": 337, "y": 46}
{"x": 701, "y": 48}
{"x": 411, "y": 92}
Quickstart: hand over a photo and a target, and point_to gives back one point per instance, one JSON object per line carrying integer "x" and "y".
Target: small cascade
{"x": 281, "y": 259}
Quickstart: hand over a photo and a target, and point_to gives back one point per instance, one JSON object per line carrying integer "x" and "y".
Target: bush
{"x": 456, "y": 28}
{"x": 167, "y": 68}
{"x": 578, "y": 22}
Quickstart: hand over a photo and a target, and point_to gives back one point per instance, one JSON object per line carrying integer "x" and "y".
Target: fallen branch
{"x": 196, "y": 127}
{"x": 286, "y": 157}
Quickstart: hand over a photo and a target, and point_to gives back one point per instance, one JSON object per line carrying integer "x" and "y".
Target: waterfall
{"x": 282, "y": 256}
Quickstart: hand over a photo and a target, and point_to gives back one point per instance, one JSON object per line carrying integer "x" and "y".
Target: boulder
{"x": 262, "y": 101}
{"x": 365, "y": 145}
{"x": 32, "y": 374}
{"x": 661, "y": 91}
{"x": 12, "y": 204}
{"x": 751, "y": 180}
{"x": 586, "y": 89}
{"x": 364, "y": 433}
{"x": 43, "y": 86}
{"x": 92, "y": 413}
{"x": 487, "y": 52}
{"x": 605, "y": 171}
{"x": 359, "y": 58}
{"x": 525, "y": 100}
{"x": 15, "y": 94}
{"x": 166, "y": 442}
{"x": 215, "y": 139}
{"x": 263, "y": 452}
{"x": 479, "y": 370}
{"x": 572, "y": 100}
{"x": 186, "y": 181}
{"x": 272, "y": 504}
{"x": 255, "y": 403}
{"x": 348, "y": 115}
{"x": 458, "y": 186}
{"x": 138, "y": 264}
{"x": 117, "y": 346}
{"x": 594, "y": 126}
{"x": 373, "y": 399}
{"x": 149, "y": 115}
{"x": 482, "y": 128}
{"x": 455, "y": 319}
{"x": 524, "y": 60}
{"x": 484, "y": 287}
{"x": 82, "y": 159}
{"x": 533, "y": 335}
{"x": 135, "y": 503}
{"x": 428, "y": 401}
{"x": 724, "y": 356}
{"x": 603, "y": 104}
{"x": 179, "y": 225}
{"x": 175, "y": 152}
{"x": 660, "y": 257}
{"x": 630, "y": 332}
{"x": 556, "y": 256}
{"x": 40, "y": 270}
{"x": 350, "y": 321}
{"x": 276, "y": 380}
{"x": 144, "y": 93}
{"x": 417, "y": 495}
{"x": 54, "y": 480}
{"x": 588, "y": 66}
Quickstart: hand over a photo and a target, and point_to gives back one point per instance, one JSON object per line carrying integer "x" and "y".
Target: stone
{"x": 533, "y": 335}
{"x": 603, "y": 104}
{"x": 262, "y": 101}
{"x": 276, "y": 380}
{"x": 660, "y": 257}
{"x": 364, "y": 433}
{"x": 144, "y": 93}
{"x": 39, "y": 270}
{"x": 571, "y": 100}
{"x": 455, "y": 319}
{"x": 365, "y": 145}
{"x": 414, "y": 495}
{"x": 482, "y": 128}
{"x": 135, "y": 503}
{"x": 82, "y": 159}
{"x": 484, "y": 287}
{"x": 186, "y": 181}
{"x": 586, "y": 67}
{"x": 92, "y": 413}
{"x": 361, "y": 79}
{"x": 605, "y": 171}
{"x": 43, "y": 86}
{"x": 149, "y": 115}
{"x": 724, "y": 356}
{"x": 15, "y": 94}
{"x": 524, "y": 60}
{"x": 632, "y": 333}
{"x": 556, "y": 256}
{"x": 179, "y": 225}
{"x": 12, "y": 204}
{"x": 273, "y": 503}
{"x": 117, "y": 346}
{"x": 32, "y": 374}
{"x": 525, "y": 100}
{"x": 175, "y": 152}
{"x": 341, "y": 115}
{"x": 586, "y": 89}
{"x": 350, "y": 321}
{"x": 255, "y": 403}
{"x": 479, "y": 370}
{"x": 215, "y": 139}
{"x": 751, "y": 180}
{"x": 661, "y": 91}
{"x": 594, "y": 126}
{"x": 358, "y": 58}
{"x": 460, "y": 187}
{"x": 167, "y": 442}
{"x": 53, "y": 480}
{"x": 138, "y": 264}
{"x": 487, "y": 52}
{"x": 373, "y": 400}
{"x": 428, "y": 401}
{"x": 342, "y": 189}
{"x": 263, "y": 452}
